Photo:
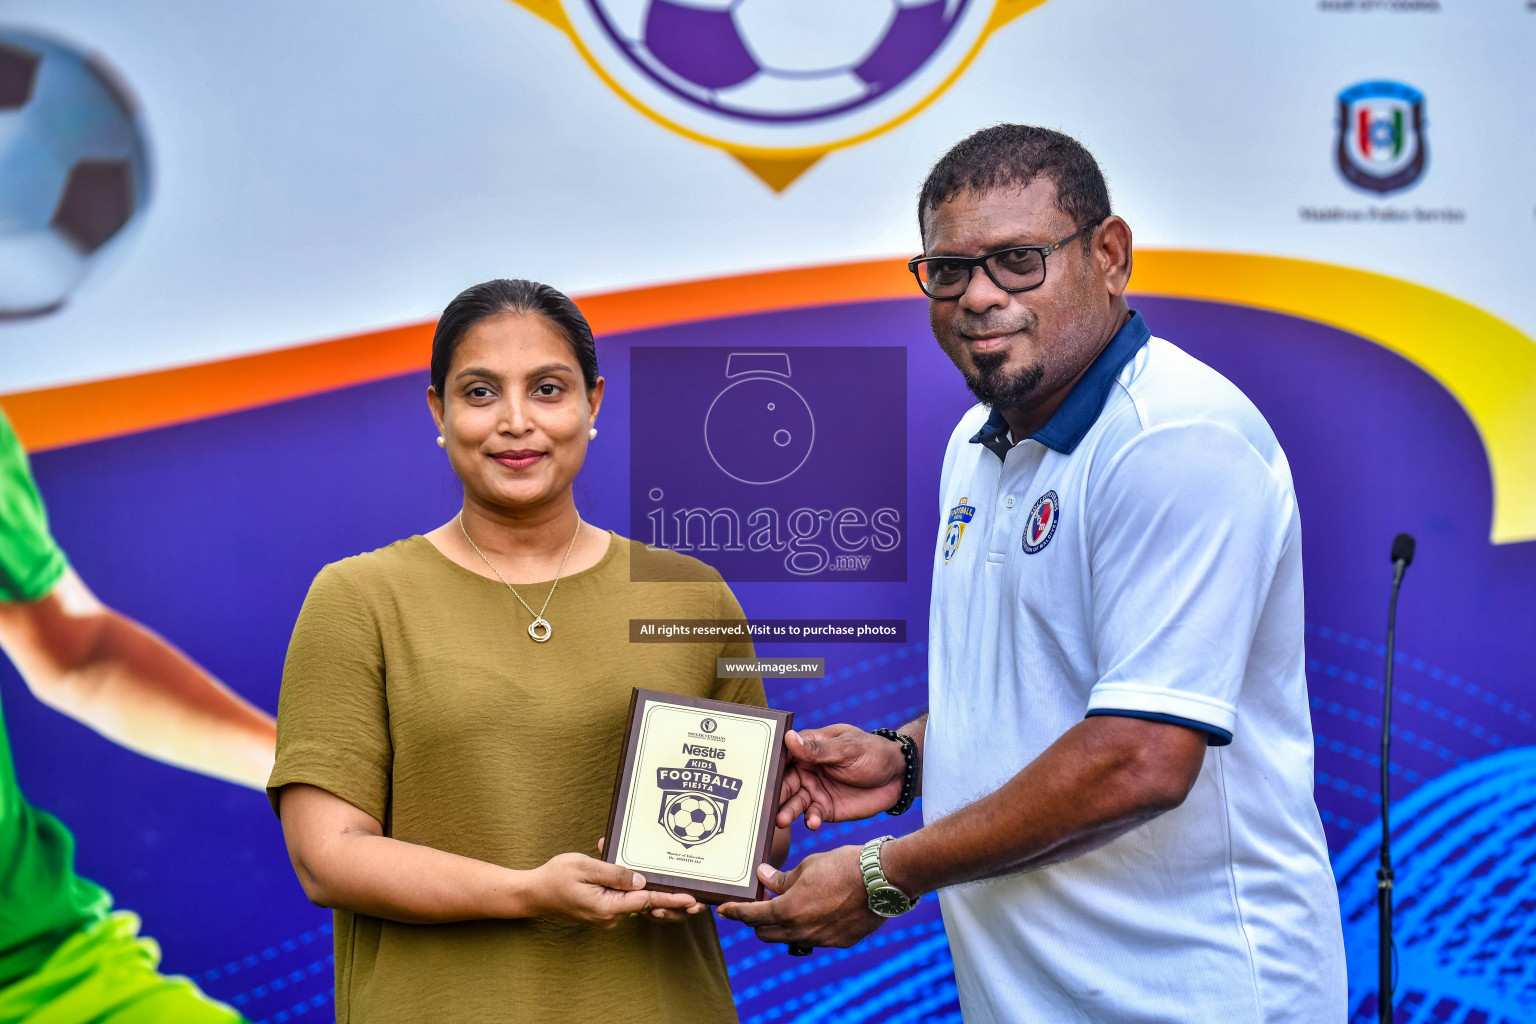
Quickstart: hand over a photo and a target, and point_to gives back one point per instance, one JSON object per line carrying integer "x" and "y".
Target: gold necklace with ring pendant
{"x": 539, "y": 628}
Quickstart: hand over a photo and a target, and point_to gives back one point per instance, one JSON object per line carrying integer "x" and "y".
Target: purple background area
{"x": 210, "y": 532}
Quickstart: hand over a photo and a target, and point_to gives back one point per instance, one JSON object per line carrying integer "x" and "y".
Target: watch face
{"x": 888, "y": 901}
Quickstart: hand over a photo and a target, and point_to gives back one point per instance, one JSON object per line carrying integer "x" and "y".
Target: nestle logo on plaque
{"x": 771, "y": 464}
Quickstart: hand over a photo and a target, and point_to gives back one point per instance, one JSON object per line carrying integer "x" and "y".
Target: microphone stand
{"x": 1384, "y": 875}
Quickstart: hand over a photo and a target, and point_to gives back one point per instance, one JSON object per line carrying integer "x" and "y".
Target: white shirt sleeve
{"x": 1188, "y": 524}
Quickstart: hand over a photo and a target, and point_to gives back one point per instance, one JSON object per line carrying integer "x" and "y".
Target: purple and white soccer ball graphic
{"x": 779, "y": 61}
{"x": 692, "y": 819}
{"x": 74, "y": 169}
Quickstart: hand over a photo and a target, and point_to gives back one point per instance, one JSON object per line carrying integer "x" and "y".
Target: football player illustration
{"x": 65, "y": 956}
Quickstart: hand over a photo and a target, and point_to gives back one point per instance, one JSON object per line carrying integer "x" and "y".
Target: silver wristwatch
{"x": 884, "y": 898}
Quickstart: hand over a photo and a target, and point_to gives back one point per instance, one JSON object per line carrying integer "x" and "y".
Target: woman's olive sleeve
{"x": 332, "y": 714}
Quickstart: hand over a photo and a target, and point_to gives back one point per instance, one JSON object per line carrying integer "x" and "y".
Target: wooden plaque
{"x": 696, "y": 794}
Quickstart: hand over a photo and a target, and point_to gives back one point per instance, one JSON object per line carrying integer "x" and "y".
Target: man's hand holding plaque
{"x": 838, "y": 774}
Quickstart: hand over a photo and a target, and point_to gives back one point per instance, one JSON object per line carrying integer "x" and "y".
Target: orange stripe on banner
{"x": 55, "y": 417}
{"x": 1489, "y": 365}
{"x": 75, "y": 413}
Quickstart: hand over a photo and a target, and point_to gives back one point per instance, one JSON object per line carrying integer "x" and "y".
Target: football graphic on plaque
{"x": 692, "y": 819}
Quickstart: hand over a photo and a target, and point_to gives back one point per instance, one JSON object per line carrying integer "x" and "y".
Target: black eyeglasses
{"x": 1018, "y": 268}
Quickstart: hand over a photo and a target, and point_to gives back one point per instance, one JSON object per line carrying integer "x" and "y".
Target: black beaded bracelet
{"x": 914, "y": 761}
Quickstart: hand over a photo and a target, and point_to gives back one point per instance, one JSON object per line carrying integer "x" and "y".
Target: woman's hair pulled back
{"x": 501, "y": 297}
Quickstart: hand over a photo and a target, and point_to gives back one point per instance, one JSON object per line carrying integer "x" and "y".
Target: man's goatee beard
{"x": 1000, "y": 390}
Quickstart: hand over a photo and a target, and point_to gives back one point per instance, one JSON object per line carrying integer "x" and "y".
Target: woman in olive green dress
{"x": 452, "y": 713}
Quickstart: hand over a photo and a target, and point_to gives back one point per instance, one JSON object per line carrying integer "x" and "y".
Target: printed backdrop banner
{"x": 225, "y": 230}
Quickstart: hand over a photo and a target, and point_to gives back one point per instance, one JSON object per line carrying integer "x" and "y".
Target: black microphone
{"x": 1402, "y": 558}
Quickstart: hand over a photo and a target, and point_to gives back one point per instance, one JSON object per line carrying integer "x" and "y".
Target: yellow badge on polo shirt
{"x": 958, "y": 517}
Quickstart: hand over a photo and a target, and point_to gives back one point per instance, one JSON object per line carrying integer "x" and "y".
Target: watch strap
{"x": 874, "y": 873}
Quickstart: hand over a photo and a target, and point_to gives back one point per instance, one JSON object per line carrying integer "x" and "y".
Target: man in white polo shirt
{"x": 1117, "y": 760}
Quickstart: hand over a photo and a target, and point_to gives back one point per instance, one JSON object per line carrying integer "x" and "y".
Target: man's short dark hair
{"x": 1017, "y": 154}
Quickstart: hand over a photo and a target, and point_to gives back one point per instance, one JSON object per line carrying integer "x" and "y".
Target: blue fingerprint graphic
{"x": 1465, "y": 896}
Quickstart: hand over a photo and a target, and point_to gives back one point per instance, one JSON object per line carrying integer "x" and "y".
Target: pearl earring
{"x": 592, "y": 434}
{"x": 440, "y": 442}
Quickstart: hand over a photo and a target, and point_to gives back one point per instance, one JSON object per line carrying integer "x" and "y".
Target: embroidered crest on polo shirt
{"x": 958, "y": 517}
{"x": 1040, "y": 527}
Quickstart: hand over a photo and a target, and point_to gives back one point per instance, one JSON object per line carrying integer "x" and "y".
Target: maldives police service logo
{"x": 1381, "y": 146}
{"x": 1040, "y": 527}
{"x": 778, "y": 83}
{"x": 695, "y": 797}
{"x": 958, "y": 517}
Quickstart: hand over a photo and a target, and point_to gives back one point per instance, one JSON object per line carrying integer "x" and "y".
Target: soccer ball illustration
{"x": 692, "y": 820}
{"x": 74, "y": 170}
{"x": 759, "y": 430}
{"x": 952, "y": 536}
{"x": 777, "y": 61}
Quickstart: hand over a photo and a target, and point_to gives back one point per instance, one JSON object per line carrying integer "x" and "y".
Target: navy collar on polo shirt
{"x": 1070, "y": 422}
